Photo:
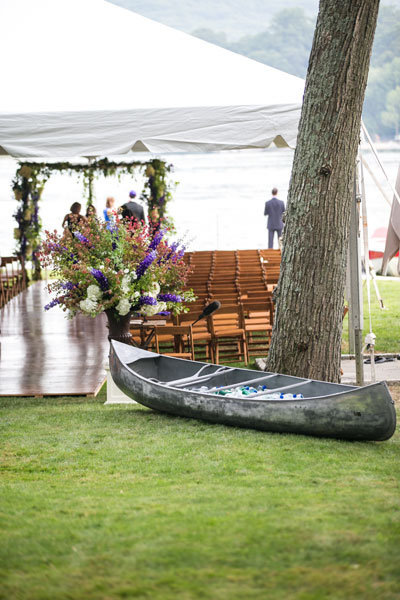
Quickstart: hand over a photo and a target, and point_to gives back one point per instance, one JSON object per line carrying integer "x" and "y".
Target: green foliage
{"x": 110, "y": 502}
{"x": 230, "y": 16}
{"x": 27, "y": 186}
{"x": 380, "y": 83}
{"x": 387, "y": 36}
{"x": 157, "y": 189}
{"x": 285, "y": 45}
{"x": 391, "y": 116}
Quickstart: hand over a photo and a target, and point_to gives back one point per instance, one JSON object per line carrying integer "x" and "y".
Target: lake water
{"x": 219, "y": 202}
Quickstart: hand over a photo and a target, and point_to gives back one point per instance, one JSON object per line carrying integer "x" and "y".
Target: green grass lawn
{"x": 385, "y": 323}
{"x": 109, "y": 502}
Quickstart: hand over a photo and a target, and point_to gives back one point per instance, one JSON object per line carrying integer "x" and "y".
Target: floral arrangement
{"x": 124, "y": 268}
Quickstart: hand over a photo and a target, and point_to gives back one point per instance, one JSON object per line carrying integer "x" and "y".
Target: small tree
{"x": 306, "y": 339}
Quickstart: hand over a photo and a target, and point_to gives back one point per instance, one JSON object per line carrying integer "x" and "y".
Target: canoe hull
{"x": 365, "y": 413}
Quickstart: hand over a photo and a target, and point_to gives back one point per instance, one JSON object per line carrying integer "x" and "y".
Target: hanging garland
{"x": 157, "y": 189}
{"x": 28, "y": 185}
{"x": 31, "y": 177}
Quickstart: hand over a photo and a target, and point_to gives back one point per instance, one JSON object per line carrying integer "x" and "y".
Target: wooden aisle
{"x": 44, "y": 354}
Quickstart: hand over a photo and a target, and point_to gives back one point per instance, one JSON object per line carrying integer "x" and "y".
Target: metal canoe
{"x": 327, "y": 410}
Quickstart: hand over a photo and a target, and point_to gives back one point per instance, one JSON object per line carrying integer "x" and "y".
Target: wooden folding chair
{"x": 258, "y": 320}
{"x": 175, "y": 340}
{"x": 201, "y": 334}
{"x": 9, "y": 282}
{"x": 228, "y": 334}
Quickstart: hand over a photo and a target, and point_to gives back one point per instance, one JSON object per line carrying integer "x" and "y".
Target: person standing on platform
{"x": 110, "y": 211}
{"x": 274, "y": 210}
{"x": 74, "y": 219}
{"x": 132, "y": 209}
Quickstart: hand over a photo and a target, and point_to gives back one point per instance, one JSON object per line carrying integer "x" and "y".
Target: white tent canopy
{"x": 88, "y": 78}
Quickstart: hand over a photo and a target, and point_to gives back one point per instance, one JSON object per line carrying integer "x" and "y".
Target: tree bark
{"x": 306, "y": 338}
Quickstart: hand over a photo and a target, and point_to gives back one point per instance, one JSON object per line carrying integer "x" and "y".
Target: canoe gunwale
{"x": 247, "y": 399}
{"x": 166, "y": 385}
{"x": 350, "y": 412}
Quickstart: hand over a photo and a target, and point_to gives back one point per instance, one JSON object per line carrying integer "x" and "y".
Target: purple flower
{"x": 145, "y": 264}
{"x": 181, "y": 252}
{"x": 101, "y": 279}
{"x": 51, "y": 304}
{"x": 68, "y": 285}
{"x": 55, "y": 247}
{"x": 81, "y": 237}
{"x": 156, "y": 239}
{"x": 174, "y": 247}
{"x": 172, "y": 251}
{"x": 147, "y": 300}
{"x": 164, "y": 313}
{"x": 169, "y": 298}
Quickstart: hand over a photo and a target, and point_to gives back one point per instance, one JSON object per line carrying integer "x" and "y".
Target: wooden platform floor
{"x": 42, "y": 353}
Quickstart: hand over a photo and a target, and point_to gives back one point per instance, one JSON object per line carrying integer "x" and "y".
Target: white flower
{"x": 126, "y": 270}
{"x": 94, "y": 292}
{"x": 149, "y": 310}
{"x": 155, "y": 288}
{"x": 123, "y": 306}
{"x": 135, "y": 294}
{"x": 125, "y": 284}
{"x": 88, "y": 306}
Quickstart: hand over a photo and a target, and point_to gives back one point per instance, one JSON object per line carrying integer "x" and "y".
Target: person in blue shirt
{"x": 110, "y": 211}
{"x": 274, "y": 210}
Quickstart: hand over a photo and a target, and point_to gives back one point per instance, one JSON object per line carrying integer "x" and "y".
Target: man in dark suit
{"x": 274, "y": 209}
{"x": 132, "y": 209}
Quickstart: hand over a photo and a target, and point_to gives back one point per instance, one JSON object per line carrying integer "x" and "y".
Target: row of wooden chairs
{"x": 242, "y": 273}
{"x": 12, "y": 278}
{"x": 234, "y": 333}
{"x": 243, "y": 281}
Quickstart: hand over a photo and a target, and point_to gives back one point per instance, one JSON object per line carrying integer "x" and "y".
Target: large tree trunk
{"x": 306, "y": 338}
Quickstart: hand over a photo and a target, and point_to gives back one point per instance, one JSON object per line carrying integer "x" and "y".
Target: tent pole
{"x": 355, "y": 282}
{"x": 350, "y": 310}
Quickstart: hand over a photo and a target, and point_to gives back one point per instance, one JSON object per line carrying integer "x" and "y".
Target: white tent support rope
{"x": 374, "y": 281}
{"x": 378, "y": 185}
{"x": 370, "y": 142}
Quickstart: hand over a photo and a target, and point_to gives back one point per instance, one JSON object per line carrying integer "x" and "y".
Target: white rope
{"x": 378, "y": 185}
{"x": 374, "y": 281}
{"x": 370, "y": 142}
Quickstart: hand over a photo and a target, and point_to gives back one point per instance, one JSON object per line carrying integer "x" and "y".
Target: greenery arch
{"x": 31, "y": 177}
